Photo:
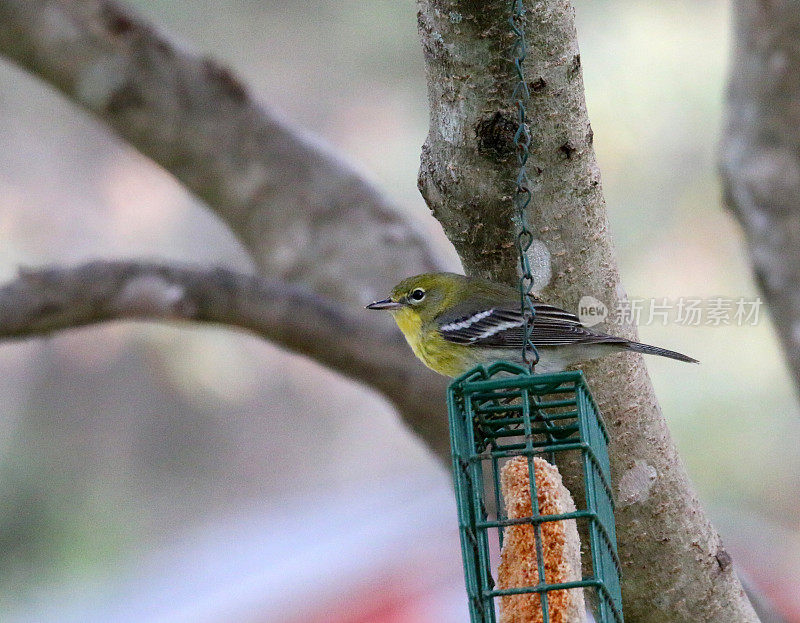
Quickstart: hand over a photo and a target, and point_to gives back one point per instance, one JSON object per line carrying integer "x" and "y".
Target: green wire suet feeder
{"x": 502, "y": 411}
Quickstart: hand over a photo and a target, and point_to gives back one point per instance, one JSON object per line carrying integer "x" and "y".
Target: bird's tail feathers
{"x": 637, "y": 347}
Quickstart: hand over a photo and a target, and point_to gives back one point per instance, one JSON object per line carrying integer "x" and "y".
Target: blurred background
{"x": 176, "y": 473}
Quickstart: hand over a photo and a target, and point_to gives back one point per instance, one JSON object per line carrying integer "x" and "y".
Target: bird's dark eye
{"x": 417, "y": 295}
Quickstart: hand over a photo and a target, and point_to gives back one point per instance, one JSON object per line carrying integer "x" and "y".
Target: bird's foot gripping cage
{"x": 501, "y": 412}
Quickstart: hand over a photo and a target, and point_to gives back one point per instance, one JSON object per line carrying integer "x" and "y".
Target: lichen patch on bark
{"x": 635, "y": 484}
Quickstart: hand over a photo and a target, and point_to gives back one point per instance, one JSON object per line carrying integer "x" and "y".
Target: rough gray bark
{"x": 674, "y": 565}
{"x": 306, "y": 216}
{"x": 760, "y": 156}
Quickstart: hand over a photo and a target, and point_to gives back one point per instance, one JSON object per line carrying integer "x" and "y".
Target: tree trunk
{"x": 673, "y": 564}
{"x": 760, "y": 156}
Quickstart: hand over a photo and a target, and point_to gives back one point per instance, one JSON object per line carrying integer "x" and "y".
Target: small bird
{"x": 454, "y": 322}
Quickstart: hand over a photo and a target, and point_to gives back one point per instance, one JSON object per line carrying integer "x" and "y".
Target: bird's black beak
{"x": 385, "y": 304}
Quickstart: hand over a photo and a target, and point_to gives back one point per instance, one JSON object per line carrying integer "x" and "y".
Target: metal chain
{"x": 522, "y": 192}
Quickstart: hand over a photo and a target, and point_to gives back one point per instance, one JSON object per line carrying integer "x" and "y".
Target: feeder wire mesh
{"x": 498, "y": 412}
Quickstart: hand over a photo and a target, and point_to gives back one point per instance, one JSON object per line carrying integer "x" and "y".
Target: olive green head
{"x": 429, "y": 294}
{"x": 425, "y": 295}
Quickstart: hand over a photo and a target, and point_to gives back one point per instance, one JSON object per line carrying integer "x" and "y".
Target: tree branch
{"x": 760, "y": 156}
{"x": 674, "y": 566}
{"x": 306, "y": 216}
{"x": 43, "y": 301}
{"x": 292, "y": 201}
